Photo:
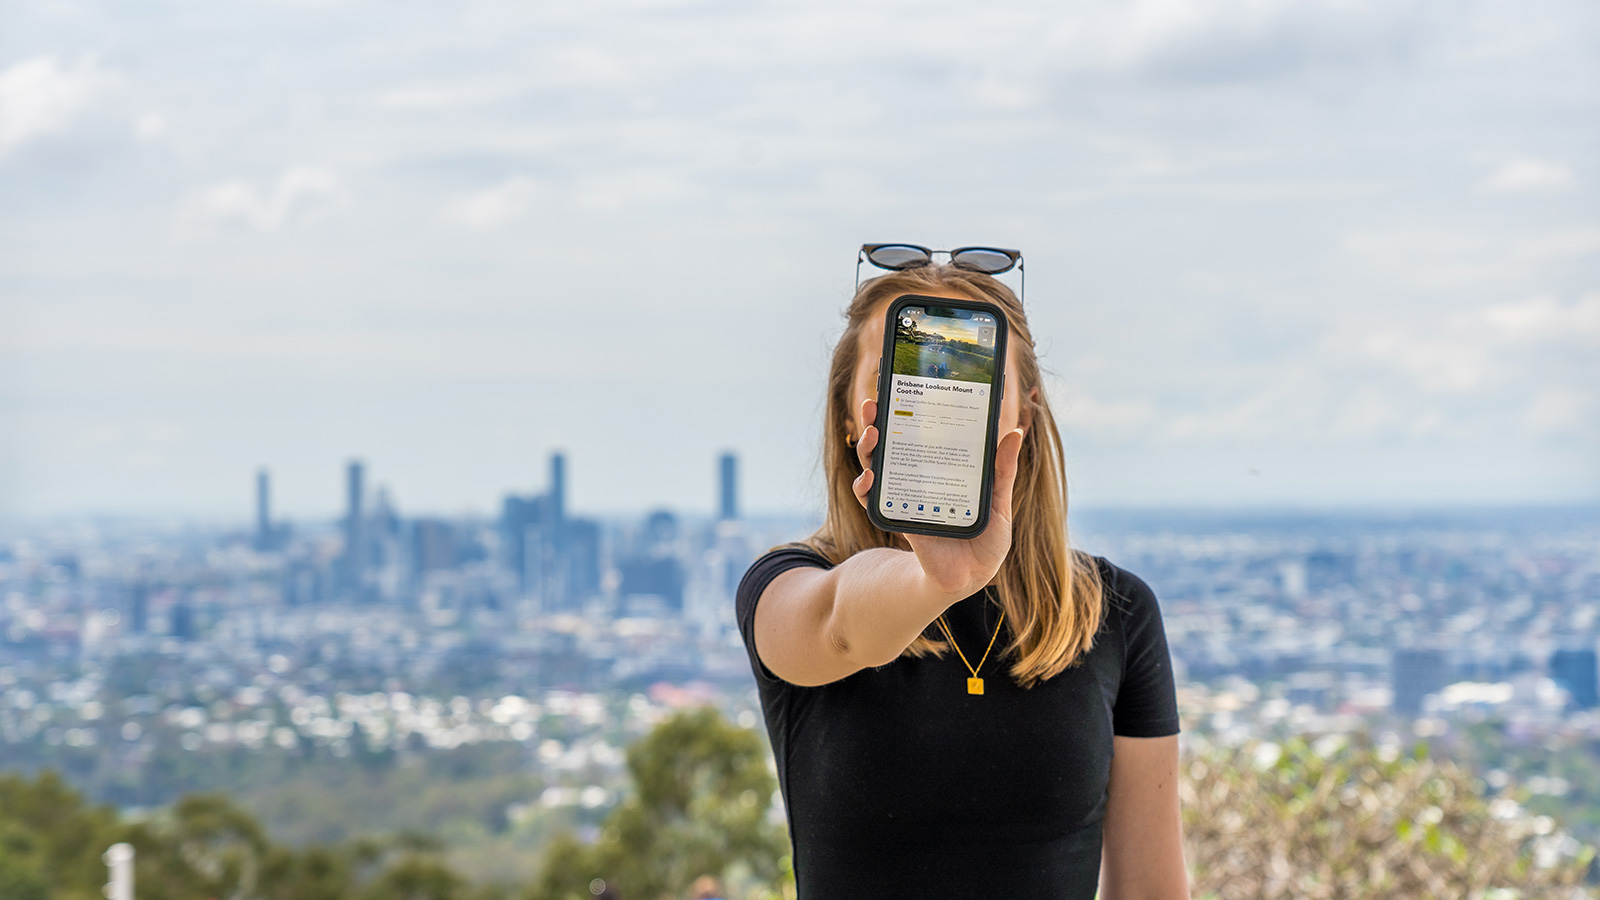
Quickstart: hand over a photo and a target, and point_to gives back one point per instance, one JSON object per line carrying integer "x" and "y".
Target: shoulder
{"x": 773, "y": 563}
{"x": 787, "y": 556}
{"x": 1126, "y": 594}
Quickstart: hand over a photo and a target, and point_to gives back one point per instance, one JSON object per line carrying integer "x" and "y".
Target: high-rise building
{"x": 139, "y": 608}
{"x": 1414, "y": 674}
{"x": 556, "y": 507}
{"x": 1577, "y": 671}
{"x": 728, "y": 484}
{"x": 653, "y": 579}
{"x": 355, "y": 538}
{"x": 522, "y": 539}
{"x": 556, "y": 557}
{"x": 434, "y": 545}
{"x": 582, "y": 559}
{"x": 263, "y": 510}
{"x": 180, "y": 621}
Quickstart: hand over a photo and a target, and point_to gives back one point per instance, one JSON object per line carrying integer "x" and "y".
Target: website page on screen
{"x": 939, "y": 384}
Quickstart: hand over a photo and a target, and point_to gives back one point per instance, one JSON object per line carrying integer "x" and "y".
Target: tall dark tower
{"x": 355, "y": 544}
{"x": 558, "y": 491}
{"x": 728, "y": 483}
{"x": 263, "y": 510}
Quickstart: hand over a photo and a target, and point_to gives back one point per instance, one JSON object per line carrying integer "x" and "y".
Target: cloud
{"x": 1119, "y": 416}
{"x": 1546, "y": 320}
{"x": 434, "y": 98}
{"x": 40, "y": 96}
{"x": 493, "y": 207}
{"x": 1433, "y": 256}
{"x": 297, "y": 189}
{"x": 1438, "y": 363}
{"x": 1241, "y": 40}
{"x": 1559, "y": 408}
{"x": 1572, "y": 242}
{"x": 1526, "y": 365}
{"x": 1529, "y": 176}
{"x": 149, "y": 127}
{"x": 1474, "y": 351}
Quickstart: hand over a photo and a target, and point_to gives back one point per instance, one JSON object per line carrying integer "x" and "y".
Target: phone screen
{"x": 936, "y": 430}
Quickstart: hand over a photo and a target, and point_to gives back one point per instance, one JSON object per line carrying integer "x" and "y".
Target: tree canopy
{"x": 1261, "y": 821}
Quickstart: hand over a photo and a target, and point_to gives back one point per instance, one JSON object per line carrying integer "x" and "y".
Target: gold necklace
{"x": 974, "y": 684}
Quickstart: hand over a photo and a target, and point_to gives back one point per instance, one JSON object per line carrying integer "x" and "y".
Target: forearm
{"x": 882, "y": 599}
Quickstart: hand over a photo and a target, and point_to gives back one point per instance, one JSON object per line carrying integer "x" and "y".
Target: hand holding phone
{"x": 957, "y": 566}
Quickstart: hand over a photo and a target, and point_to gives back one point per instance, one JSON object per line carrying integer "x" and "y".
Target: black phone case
{"x": 1002, "y": 333}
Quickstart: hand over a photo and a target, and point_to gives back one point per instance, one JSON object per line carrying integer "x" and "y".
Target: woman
{"x": 1063, "y": 773}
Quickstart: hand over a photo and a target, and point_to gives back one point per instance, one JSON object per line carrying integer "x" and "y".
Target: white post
{"x": 119, "y": 859}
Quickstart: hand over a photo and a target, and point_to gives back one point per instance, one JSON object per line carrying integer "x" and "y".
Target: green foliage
{"x": 462, "y": 790}
{"x": 1270, "y": 822}
{"x": 702, "y": 791}
{"x": 51, "y": 843}
{"x": 1569, "y": 755}
{"x": 18, "y": 882}
{"x": 1264, "y": 822}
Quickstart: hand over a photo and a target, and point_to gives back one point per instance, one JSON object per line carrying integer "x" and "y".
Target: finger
{"x": 863, "y": 486}
{"x": 865, "y": 446}
{"x": 1005, "y": 472}
{"x": 869, "y": 416}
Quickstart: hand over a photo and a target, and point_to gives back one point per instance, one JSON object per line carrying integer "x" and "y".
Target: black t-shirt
{"x": 898, "y": 783}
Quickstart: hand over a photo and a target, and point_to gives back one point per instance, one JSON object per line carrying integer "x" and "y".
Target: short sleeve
{"x": 755, "y": 581}
{"x": 1147, "y": 699}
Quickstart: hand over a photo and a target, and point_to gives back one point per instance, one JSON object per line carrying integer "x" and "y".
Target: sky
{"x": 1313, "y": 253}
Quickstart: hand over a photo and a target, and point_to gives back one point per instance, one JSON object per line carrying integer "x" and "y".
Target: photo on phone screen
{"x": 938, "y": 405}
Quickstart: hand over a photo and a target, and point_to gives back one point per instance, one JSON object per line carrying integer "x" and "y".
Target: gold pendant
{"x": 974, "y": 685}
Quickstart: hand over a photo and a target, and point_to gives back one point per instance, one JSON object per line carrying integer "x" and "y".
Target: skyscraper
{"x": 557, "y": 507}
{"x": 355, "y": 553}
{"x": 549, "y": 548}
{"x": 263, "y": 510}
{"x": 522, "y": 531}
{"x": 728, "y": 482}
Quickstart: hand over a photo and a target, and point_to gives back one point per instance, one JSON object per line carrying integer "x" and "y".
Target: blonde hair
{"x": 1051, "y": 594}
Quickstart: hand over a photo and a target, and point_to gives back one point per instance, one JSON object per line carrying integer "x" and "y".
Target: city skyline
{"x": 267, "y": 518}
{"x": 244, "y": 510}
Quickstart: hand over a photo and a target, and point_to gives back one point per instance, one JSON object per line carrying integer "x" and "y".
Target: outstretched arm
{"x": 815, "y": 626}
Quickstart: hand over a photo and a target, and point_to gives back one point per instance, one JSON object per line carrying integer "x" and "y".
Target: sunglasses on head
{"x": 897, "y": 257}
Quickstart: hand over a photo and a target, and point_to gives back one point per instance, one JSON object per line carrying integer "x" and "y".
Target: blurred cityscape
{"x": 146, "y": 659}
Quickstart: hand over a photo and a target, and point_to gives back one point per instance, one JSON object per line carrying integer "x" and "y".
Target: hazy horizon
{"x": 332, "y": 519}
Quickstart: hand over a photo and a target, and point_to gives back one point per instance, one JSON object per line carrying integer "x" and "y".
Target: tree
{"x": 700, "y": 801}
{"x": 1265, "y": 822}
{"x": 51, "y": 843}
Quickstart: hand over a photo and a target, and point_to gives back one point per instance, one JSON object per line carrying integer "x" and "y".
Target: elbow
{"x": 856, "y": 653}
{"x": 838, "y": 644}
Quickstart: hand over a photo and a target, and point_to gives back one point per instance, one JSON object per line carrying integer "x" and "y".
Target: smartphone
{"x": 940, "y": 380}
